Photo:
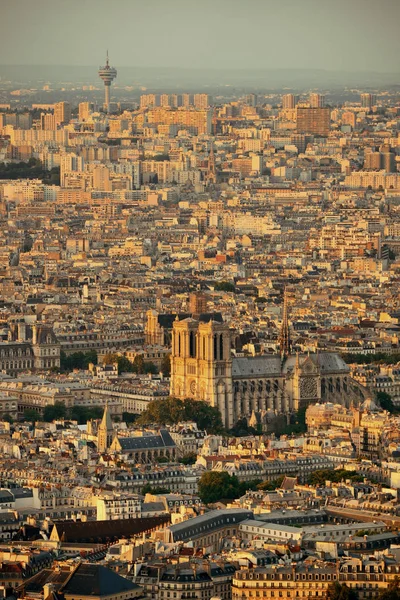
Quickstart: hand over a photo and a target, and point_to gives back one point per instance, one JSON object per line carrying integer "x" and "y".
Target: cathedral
{"x": 202, "y": 367}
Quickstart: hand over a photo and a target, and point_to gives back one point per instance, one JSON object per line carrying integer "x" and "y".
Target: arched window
{"x": 221, "y": 346}
{"x": 215, "y": 348}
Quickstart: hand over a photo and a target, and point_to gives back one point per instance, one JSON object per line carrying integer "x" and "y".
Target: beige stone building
{"x": 203, "y": 367}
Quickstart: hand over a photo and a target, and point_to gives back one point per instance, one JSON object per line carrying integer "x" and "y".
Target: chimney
{"x": 34, "y": 334}
{"x": 48, "y": 589}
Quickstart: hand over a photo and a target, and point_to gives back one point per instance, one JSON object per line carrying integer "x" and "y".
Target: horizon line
{"x": 261, "y": 69}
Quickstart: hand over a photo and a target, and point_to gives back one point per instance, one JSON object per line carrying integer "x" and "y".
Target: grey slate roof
{"x": 258, "y": 366}
{"x": 86, "y": 580}
{"x": 210, "y": 521}
{"x": 147, "y": 442}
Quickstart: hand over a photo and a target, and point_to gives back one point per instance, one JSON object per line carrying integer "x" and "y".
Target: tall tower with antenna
{"x": 107, "y": 74}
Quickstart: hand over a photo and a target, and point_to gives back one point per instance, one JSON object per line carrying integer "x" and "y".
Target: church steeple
{"x": 285, "y": 343}
{"x": 105, "y": 431}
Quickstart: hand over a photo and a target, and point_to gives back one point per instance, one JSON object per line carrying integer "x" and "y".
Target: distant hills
{"x": 175, "y": 78}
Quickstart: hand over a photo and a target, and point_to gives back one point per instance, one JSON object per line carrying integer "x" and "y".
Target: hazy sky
{"x": 327, "y": 34}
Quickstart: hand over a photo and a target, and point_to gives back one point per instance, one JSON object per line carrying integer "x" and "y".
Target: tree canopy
{"x": 340, "y": 591}
{"x": 215, "y": 486}
{"x": 392, "y": 592}
{"x": 138, "y": 365}
{"x": 367, "y": 359}
{"x": 224, "y": 286}
{"x": 169, "y": 411}
{"x": 33, "y": 169}
{"x": 335, "y": 475}
{"x": 386, "y": 402}
{"x": 77, "y": 360}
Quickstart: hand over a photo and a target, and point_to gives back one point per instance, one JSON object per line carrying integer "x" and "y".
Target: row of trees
{"x": 138, "y": 365}
{"x": 368, "y": 359}
{"x": 169, "y": 411}
{"x": 341, "y": 591}
{"x": 60, "y": 411}
{"x": 33, "y": 169}
{"x": 77, "y": 360}
{"x": 216, "y": 486}
{"x": 81, "y": 360}
{"x": 335, "y": 475}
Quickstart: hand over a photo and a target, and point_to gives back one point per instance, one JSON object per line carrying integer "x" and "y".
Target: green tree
{"x": 77, "y": 360}
{"x": 340, "y": 591}
{"x": 169, "y": 411}
{"x": 218, "y": 485}
{"x": 150, "y": 367}
{"x": 188, "y": 459}
{"x": 124, "y": 365}
{"x": 138, "y": 364}
{"x": 8, "y": 418}
{"x": 129, "y": 418}
{"x": 82, "y": 414}
{"x": 392, "y": 592}
{"x": 206, "y": 417}
{"x": 386, "y": 402}
{"x": 147, "y": 489}
{"x": 31, "y": 415}
{"x": 271, "y": 485}
{"x": 242, "y": 429}
{"x": 166, "y": 365}
{"x": 335, "y": 475}
{"x": 224, "y": 286}
{"x": 110, "y": 359}
{"x": 53, "y": 412}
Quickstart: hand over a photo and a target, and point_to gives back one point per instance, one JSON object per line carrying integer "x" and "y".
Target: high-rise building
{"x": 149, "y": 100}
{"x": 48, "y": 121}
{"x": 252, "y": 99}
{"x": 388, "y": 159}
{"x": 165, "y": 100}
{"x": 84, "y": 110}
{"x": 202, "y": 100}
{"x": 368, "y": 101}
{"x": 289, "y": 101}
{"x": 187, "y": 100}
{"x": 313, "y": 120}
{"x": 384, "y": 160}
{"x": 317, "y": 101}
{"x": 107, "y": 74}
{"x": 372, "y": 160}
{"x": 62, "y": 113}
{"x": 176, "y": 100}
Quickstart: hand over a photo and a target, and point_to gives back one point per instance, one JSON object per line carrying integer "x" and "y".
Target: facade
{"x": 186, "y": 581}
{"x": 28, "y": 347}
{"x": 202, "y": 367}
{"x": 313, "y": 120}
{"x": 118, "y": 506}
{"x": 297, "y": 581}
{"x": 208, "y": 530}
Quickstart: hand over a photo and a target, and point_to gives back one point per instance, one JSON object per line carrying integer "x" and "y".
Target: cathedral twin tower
{"x": 201, "y": 364}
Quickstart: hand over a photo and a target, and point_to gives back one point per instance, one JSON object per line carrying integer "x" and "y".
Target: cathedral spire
{"x": 105, "y": 431}
{"x": 284, "y": 338}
